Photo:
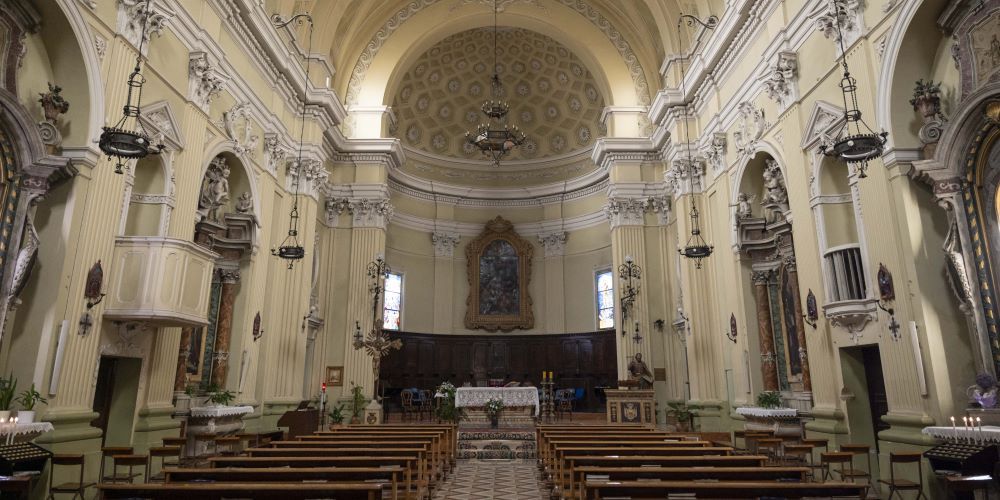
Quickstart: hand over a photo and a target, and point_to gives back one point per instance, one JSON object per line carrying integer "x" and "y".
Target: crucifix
{"x": 376, "y": 344}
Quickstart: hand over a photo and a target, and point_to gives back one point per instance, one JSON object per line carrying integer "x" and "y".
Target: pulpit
{"x": 627, "y": 407}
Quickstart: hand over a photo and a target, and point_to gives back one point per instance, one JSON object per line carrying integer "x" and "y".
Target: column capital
{"x": 625, "y": 211}
{"x": 760, "y": 278}
{"x": 445, "y": 243}
{"x": 229, "y": 276}
{"x": 554, "y": 243}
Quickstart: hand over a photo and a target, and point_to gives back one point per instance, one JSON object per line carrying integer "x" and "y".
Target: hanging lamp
{"x": 863, "y": 145}
{"x": 495, "y": 138}
{"x": 696, "y": 247}
{"x": 291, "y": 249}
{"x": 122, "y": 142}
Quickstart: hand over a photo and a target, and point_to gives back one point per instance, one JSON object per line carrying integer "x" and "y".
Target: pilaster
{"x": 554, "y": 244}
{"x": 444, "y": 279}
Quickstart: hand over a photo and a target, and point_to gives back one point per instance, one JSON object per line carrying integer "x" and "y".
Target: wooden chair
{"x": 564, "y": 403}
{"x": 130, "y": 461}
{"x": 78, "y": 488}
{"x": 180, "y": 442}
{"x": 770, "y": 447}
{"x": 854, "y": 474}
{"x": 109, "y": 452}
{"x": 817, "y": 444}
{"x": 799, "y": 455}
{"x": 844, "y": 461}
{"x": 162, "y": 453}
{"x": 426, "y": 402}
{"x": 898, "y": 485}
{"x": 410, "y": 409}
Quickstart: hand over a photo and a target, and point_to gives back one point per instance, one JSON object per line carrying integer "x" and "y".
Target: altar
{"x": 520, "y": 403}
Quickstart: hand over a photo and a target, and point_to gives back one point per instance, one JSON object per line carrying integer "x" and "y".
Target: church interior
{"x": 499, "y": 249}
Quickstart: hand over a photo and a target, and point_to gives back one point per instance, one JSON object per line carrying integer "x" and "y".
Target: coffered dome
{"x": 553, "y": 97}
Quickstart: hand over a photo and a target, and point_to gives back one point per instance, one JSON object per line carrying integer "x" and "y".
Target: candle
{"x": 982, "y": 437}
{"x": 954, "y": 430}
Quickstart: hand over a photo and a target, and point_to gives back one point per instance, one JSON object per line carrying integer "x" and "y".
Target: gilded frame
{"x": 499, "y": 229}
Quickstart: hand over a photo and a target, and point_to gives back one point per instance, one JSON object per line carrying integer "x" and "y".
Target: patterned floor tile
{"x": 492, "y": 480}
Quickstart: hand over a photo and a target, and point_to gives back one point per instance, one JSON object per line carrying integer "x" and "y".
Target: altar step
{"x": 497, "y": 444}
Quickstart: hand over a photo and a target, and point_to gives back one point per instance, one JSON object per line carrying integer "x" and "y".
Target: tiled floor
{"x": 492, "y": 480}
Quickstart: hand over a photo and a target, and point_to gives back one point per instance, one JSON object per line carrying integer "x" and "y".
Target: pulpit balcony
{"x": 163, "y": 281}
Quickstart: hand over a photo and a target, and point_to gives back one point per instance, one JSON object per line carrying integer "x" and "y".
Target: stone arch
{"x": 914, "y": 38}
{"x": 374, "y": 84}
{"x": 247, "y": 178}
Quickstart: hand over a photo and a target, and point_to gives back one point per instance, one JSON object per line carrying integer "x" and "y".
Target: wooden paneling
{"x": 585, "y": 360}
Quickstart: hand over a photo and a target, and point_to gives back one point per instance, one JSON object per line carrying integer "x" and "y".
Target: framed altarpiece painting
{"x": 499, "y": 271}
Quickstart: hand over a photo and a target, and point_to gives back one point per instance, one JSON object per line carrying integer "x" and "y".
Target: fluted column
{"x": 765, "y": 332}
{"x": 554, "y": 244}
{"x": 628, "y": 241}
{"x": 800, "y": 327}
{"x": 224, "y": 326}
{"x": 444, "y": 274}
{"x": 366, "y": 244}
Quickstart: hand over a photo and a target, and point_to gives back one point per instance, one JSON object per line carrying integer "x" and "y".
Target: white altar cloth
{"x": 220, "y": 411}
{"x": 511, "y": 396}
{"x": 988, "y": 433}
{"x": 754, "y": 411}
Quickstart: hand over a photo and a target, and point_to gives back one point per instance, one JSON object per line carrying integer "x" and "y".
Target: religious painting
{"x": 788, "y": 297}
{"x": 334, "y": 376}
{"x": 499, "y": 268}
{"x": 196, "y": 356}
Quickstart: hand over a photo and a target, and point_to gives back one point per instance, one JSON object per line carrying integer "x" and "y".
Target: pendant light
{"x": 863, "y": 145}
{"x": 120, "y": 141}
{"x": 696, "y": 248}
{"x": 290, "y": 249}
{"x": 496, "y": 138}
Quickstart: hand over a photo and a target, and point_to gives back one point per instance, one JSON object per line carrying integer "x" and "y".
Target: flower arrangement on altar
{"x": 493, "y": 407}
{"x": 446, "y": 410}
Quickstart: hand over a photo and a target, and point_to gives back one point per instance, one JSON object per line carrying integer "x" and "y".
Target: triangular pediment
{"x": 824, "y": 122}
{"x": 159, "y": 122}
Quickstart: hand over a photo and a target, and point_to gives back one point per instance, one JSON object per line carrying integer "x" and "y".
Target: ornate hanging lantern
{"x": 291, "y": 249}
{"x": 127, "y": 139}
{"x": 860, "y": 144}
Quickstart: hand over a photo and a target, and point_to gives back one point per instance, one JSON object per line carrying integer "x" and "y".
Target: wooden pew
{"x": 450, "y": 431}
{"x": 543, "y": 439}
{"x": 214, "y": 491}
{"x": 391, "y": 475}
{"x": 596, "y": 490}
{"x": 422, "y": 477}
{"x": 439, "y": 458}
{"x": 548, "y": 455}
{"x": 564, "y": 475}
{"x": 572, "y": 462}
{"x": 795, "y": 474}
{"x": 439, "y": 438}
{"x": 408, "y": 463}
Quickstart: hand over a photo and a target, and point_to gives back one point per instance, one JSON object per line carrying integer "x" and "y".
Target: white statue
{"x": 244, "y": 204}
{"x": 776, "y": 195}
{"x": 743, "y": 207}
{"x": 214, "y": 189}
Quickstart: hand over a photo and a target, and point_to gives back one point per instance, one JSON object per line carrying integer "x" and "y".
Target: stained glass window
{"x": 393, "y": 302}
{"x": 605, "y": 300}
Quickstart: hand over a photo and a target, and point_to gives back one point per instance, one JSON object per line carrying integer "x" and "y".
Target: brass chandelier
{"x": 495, "y": 138}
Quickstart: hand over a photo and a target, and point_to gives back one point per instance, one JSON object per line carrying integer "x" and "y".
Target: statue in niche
{"x": 244, "y": 204}
{"x": 638, "y": 371}
{"x": 775, "y": 195}
{"x": 743, "y": 207}
{"x": 214, "y": 189}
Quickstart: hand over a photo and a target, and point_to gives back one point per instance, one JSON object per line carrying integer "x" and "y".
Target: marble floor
{"x": 492, "y": 480}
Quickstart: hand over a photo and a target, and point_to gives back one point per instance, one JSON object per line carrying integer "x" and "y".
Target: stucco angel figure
{"x": 244, "y": 204}
{"x": 743, "y": 207}
{"x": 215, "y": 191}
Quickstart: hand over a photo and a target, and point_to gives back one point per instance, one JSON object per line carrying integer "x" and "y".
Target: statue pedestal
{"x": 373, "y": 413}
{"x": 631, "y": 407}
